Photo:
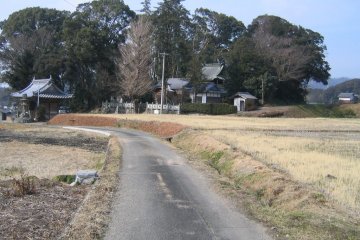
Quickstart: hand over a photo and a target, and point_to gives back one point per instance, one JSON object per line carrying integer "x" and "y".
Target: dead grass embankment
{"x": 292, "y": 209}
{"x": 90, "y": 221}
{"x": 353, "y": 107}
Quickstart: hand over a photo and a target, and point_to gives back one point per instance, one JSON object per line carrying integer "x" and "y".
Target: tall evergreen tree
{"x": 92, "y": 36}
{"x": 293, "y": 55}
{"x": 31, "y": 45}
{"x": 213, "y": 33}
{"x": 146, "y": 7}
{"x": 171, "y": 26}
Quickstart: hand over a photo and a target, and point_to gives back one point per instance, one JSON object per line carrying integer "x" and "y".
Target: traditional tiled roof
{"x": 212, "y": 88}
{"x": 346, "y": 95}
{"x": 177, "y": 83}
{"x": 244, "y": 95}
{"x": 211, "y": 71}
{"x": 45, "y": 88}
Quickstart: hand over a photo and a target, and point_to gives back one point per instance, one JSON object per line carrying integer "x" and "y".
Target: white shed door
{"x": 203, "y": 98}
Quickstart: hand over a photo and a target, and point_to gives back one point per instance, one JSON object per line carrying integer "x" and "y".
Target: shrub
{"x": 25, "y": 185}
{"x": 65, "y": 178}
{"x": 210, "y": 108}
{"x": 41, "y": 113}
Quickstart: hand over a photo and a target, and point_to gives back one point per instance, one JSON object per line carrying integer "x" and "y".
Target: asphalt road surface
{"x": 161, "y": 197}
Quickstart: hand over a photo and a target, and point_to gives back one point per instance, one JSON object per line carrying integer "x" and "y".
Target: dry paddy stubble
{"x": 322, "y": 152}
{"x": 244, "y": 123}
{"x": 331, "y": 164}
{"x": 45, "y": 161}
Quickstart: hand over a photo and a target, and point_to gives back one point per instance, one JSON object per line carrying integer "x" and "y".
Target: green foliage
{"x": 211, "y": 109}
{"x": 214, "y": 160}
{"x": 326, "y": 111}
{"x": 79, "y": 49}
{"x": 65, "y": 178}
{"x": 31, "y": 45}
{"x": 146, "y": 7}
{"x": 92, "y": 35}
{"x": 171, "y": 22}
{"x": 214, "y": 33}
{"x": 41, "y": 112}
{"x": 289, "y": 54}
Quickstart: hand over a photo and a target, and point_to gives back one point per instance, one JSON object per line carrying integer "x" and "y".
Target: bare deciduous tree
{"x": 288, "y": 59}
{"x": 135, "y": 62}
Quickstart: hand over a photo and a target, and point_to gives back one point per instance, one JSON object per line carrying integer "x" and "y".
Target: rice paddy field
{"x": 321, "y": 152}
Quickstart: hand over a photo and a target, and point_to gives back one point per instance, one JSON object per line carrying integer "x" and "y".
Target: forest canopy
{"x": 80, "y": 50}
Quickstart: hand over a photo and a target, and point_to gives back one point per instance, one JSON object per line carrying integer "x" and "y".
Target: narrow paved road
{"x": 161, "y": 197}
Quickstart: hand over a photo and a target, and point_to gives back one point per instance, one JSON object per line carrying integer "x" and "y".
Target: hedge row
{"x": 211, "y": 108}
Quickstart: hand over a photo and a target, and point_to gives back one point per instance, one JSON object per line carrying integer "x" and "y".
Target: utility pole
{"x": 162, "y": 82}
{"x": 262, "y": 91}
{"x": 264, "y": 77}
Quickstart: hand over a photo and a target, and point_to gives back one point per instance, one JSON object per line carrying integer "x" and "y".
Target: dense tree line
{"x": 81, "y": 49}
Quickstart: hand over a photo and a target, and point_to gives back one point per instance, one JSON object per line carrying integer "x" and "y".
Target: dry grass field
{"x": 44, "y": 152}
{"x": 44, "y": 162}
{"x": 244, "y": 123}
{"x": 321, "y": 152}
{"x": 32, "y": 204}
{"x": 327, "y": 161}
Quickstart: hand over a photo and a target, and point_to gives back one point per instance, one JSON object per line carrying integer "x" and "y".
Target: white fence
{"x": 155, "y": 108}
{"x": 151, "y": 108}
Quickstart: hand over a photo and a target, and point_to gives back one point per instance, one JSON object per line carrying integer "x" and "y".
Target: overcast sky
{"x": 337, "y": 20}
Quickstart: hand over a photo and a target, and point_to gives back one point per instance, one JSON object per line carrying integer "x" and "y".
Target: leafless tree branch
{"x": 135, "y": 62}
{"x": 288, "y": 59}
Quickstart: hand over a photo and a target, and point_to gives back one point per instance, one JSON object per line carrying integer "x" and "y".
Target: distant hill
{"x": 329, "y": 95}
{"x": 331, "y": 82}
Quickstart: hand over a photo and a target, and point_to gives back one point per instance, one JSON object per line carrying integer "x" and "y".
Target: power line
{"x": 69, "y": 3}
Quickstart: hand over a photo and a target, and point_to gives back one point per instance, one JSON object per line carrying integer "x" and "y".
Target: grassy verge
{"x": 292, "y": 210}
{"x": 353, "y": 107}
{"x": 91, "y": 220}
{"x": 324, "y": 111}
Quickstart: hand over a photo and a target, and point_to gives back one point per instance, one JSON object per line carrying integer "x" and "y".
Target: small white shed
{"x": 244, "y": 101}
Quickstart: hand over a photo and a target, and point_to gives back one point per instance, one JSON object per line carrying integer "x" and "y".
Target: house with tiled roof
{"x": 348, "y": 98}
{"x": 43, "y": 93}
{"x": 211, "y": 89}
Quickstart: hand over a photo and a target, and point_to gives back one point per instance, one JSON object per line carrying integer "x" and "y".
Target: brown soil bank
{"x": 161, "y": 129}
